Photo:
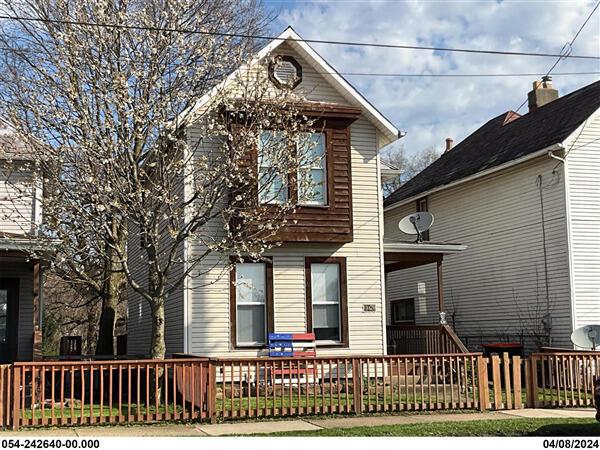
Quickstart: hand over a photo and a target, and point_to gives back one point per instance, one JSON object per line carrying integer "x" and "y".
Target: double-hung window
{"x": 312, "y": 173}
{"x": 311, "y": 176}
{"x": 272, "y": 184}
{"x": 251, "y": 303}
{"x": 326, "y": 299}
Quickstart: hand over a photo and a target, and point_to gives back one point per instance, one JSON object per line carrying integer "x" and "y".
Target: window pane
{"x": 312, "y": 175}
{"x": 325, "y": 284}
{"x": 251, "y": 283}
{"x": 326, "y": 322}
{"x": 271, "y": 188}
{"x": 311, "y": 187}
{"x": 251, "y": 324}
{"x": 312, "y": 149}
{"x": 271, "y": 185}
{"x": 326, "y": 316}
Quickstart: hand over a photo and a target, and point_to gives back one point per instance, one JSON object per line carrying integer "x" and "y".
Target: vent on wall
{"x": 285, "y": 72}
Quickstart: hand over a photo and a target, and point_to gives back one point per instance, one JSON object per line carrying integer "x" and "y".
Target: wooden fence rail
{"x": 93, "y": 392}
{"x": 284, "y": 387}
{"x": 563, "y": 379}
{"x": 85, "y": 393}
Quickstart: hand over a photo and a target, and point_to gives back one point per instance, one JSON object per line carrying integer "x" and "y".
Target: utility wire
{"x": 394, "y": 75}
{"x": 452, "y": 75}
{"x": 275, "y": 38}
{"x": 567, "y": 48}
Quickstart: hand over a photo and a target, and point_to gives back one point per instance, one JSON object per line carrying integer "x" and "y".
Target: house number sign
{"x": 368, "y": 308}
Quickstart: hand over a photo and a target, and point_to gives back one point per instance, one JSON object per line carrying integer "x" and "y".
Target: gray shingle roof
{"x": 496, "y": 143}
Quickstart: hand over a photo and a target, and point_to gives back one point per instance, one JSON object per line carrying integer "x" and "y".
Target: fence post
{"x": 16, "y": 419}
{"x": 211, "y": 407}
{"x": 497, "y": 382}
{"x": 482, "y": 375}
{"x": 533, "y": 382}
{"x": 516, "y": 373}
{"x": 357, "y": 385}
{"x": 507, "y": 381}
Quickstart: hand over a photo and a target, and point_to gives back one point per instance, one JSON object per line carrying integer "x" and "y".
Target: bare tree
{"x": 407, "y": 165}
{"x": 106, "y": 93}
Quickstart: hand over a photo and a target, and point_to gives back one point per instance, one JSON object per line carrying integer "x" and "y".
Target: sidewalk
{"x": 308, "y": 424}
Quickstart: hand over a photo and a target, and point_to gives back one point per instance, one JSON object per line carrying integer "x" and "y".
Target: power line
{"x": 312, "y": 41}
{"x": 566, "y": 50}
{"x": 395, "y": 75}
{"x": 452, "y": 75}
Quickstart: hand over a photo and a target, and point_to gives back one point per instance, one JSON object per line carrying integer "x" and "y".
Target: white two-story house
{"x": 327, "y": 277}
{"x": 20, "y": 273}
{"x": 522, "y": 192}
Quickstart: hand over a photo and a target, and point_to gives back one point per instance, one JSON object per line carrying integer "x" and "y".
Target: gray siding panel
{"x": 497, "y": 285}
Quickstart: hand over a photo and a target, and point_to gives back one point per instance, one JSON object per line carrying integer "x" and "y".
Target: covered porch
{"x": 406, "y": 337}
{"x": 20, "y": 298}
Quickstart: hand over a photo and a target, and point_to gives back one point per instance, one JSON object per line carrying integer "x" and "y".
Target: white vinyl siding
{"x": 17, "y": 200}
{"x": 208, "y": 315}
{"x": 583, "y": 167}
{"x": 497, "y": 285}
{"x": 209, "y": 293}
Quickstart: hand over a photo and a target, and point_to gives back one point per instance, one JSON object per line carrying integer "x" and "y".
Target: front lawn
{"x": 500, "y": 427}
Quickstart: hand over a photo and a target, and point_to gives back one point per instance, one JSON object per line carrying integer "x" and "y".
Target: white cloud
{"x": 431, "y": 109}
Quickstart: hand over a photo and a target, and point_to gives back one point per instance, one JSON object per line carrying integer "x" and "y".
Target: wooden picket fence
{"x": 93, "y": 392}
{"x": 337, "y": 385}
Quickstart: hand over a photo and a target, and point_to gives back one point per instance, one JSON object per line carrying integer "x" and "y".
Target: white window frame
{"x": 238, "y": 303}
{"x": 326, "y": 302}
{"x": 313, "y": 166}
{"x": 282, "y": 195}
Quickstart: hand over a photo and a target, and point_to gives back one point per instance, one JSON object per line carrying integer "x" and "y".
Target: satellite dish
{"x": 587, "y": 337}
{"x": 416, "y": 223}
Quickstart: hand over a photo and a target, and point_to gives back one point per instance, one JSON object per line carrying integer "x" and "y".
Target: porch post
{"x": 440, "y": 285}
{"x": 37, "y": 329}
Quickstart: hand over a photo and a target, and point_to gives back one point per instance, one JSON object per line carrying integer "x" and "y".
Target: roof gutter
{"x": 545, "y": 151}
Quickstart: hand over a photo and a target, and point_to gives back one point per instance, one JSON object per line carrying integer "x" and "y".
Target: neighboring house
{"x": 344, "y": 255}
{"x": 523, "y": 193}
{"x": 20, "y": 274}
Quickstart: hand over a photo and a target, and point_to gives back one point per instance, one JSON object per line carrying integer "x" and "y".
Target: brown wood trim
{"x": 268, "y": 261}
{"x": 341, "y": 261}
{"x": 408, "y": 260}
{"x": 12, "y": 285}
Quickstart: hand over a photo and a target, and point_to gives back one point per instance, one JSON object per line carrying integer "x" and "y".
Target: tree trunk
{"x": 114, "y": 281}
{"x": 158, "y": 348}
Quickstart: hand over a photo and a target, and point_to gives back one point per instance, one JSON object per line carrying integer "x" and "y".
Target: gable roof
{"x": 505, "y": 138}
{"x": 341, "y": 85}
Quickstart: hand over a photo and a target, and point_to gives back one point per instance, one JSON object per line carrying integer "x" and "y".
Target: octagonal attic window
{"x": 285, "y": 72}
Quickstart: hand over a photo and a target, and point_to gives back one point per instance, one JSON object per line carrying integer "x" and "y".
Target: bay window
{"x": 311, "y": 177}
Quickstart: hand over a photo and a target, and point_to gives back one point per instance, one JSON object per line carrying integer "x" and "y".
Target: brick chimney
{"x": 449, "y": 144}
{"x": 543, "y": 92}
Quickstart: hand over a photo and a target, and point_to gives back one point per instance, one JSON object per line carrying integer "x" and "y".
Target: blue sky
{"x": 431, "y": 109}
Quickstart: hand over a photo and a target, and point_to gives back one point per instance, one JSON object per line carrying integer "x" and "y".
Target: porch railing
{"x": 423, "y": 339}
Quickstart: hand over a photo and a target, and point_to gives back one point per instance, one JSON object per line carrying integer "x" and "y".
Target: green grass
{"x": 499, "y": 427}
